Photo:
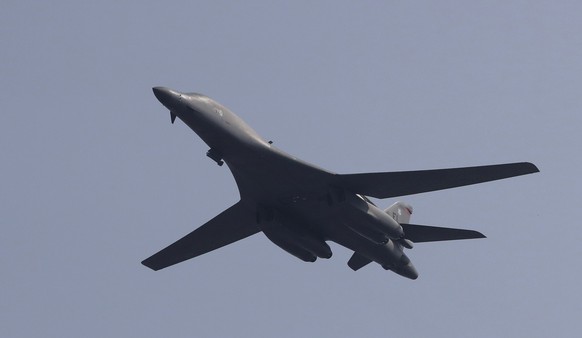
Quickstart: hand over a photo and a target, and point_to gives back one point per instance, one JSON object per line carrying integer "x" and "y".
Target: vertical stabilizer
{"x": 400, "y": 211}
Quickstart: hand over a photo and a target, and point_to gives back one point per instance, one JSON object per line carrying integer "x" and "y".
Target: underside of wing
{"x": 424, "y": 233}
{"x": 233, "y": 224}
{"x": 392, "y": 184}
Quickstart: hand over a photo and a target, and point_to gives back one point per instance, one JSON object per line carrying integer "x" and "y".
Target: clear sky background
{"x": 94, "y": 178}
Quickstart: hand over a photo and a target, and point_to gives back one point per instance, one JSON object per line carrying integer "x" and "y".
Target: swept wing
{"x": 392, "y": 184}
{"x": 233, "y": 224}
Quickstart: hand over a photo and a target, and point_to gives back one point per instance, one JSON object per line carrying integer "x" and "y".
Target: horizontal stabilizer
{"x": 391, "y": 184}
{"x": 233, "y": 224}
{"x": 424, "y": 233}
{"x": 358, "y": 261}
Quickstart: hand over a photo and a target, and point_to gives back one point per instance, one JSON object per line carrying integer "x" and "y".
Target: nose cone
{"x": 166, "y": 96}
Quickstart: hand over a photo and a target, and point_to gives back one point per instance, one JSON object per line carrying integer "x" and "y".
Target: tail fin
{"x": 400, "y": 212}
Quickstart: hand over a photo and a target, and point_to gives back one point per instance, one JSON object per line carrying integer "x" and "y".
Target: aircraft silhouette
{"x": 299, "y": 206}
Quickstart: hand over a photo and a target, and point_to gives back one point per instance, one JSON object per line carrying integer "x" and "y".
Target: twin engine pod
{"x": 291, "y": 236}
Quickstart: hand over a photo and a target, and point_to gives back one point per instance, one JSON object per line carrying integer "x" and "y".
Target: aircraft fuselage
{"x": 296, "y": 204}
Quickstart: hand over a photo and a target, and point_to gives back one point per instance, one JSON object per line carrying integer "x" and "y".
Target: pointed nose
{"x": 171, "y": 99}
{"x": 164, "y": 95}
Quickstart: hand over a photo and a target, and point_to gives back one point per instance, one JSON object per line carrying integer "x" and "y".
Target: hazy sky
{"x": 94, "y": 178}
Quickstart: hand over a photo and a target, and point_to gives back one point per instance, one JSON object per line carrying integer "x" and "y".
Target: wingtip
{"x": 532, "y": 168}
{"x": 476, "y": 234}
{"x": 147, "y": 263}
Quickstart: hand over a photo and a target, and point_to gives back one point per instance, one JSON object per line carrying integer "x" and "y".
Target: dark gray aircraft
{"x": 299, "y": 206}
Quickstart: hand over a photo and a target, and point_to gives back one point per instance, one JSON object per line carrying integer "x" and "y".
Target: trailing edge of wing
{"x": 233, "y": 224}
{"x": 392, "y": 184}
{"x": 424, "y": 233}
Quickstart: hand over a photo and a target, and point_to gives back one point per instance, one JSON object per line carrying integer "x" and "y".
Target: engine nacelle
{"x": 292, "y": 248}
{"x": 369, "y": 221}
{"x": 292, "y": 237}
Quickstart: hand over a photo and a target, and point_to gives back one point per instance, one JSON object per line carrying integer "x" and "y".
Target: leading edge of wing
{"x": 400, "y": 183}
{"x": 233, "y": 224}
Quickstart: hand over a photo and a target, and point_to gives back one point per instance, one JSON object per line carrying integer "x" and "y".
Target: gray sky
{"x": 94, "y": 178}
